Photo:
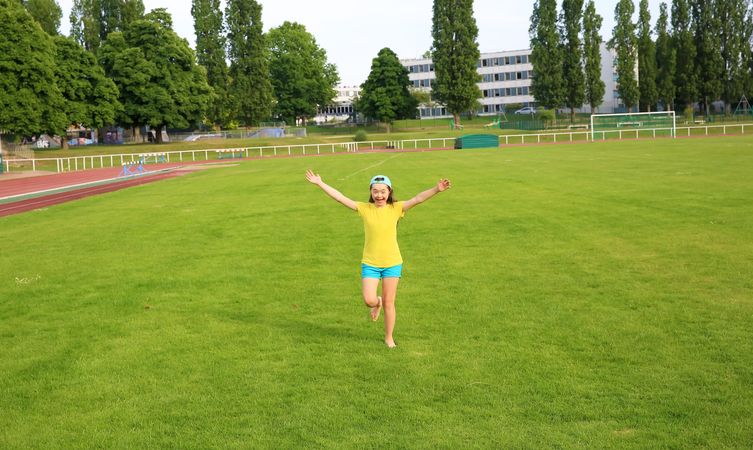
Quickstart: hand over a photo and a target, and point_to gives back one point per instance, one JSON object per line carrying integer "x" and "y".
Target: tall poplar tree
{"x": 646, "y": 59}
{"x": 594, "y": 85}
{"x": 572, "y": 61}
{"x": 732, "y": 14}
{"x": 250, "y": 86}
{"x": 682, "y": 41}
{"x": 709, "y": 64}
{"x": 747, "y": 53}
{"x": 47, "y": 13}
{"x": 92, "y": 20}
{"x": 666, "y": 60}
{"x": 455, "y": 55}
{"x": 624, "y": 42}
{"x": 211, "y": 54}
{"x": 546, "y": 55}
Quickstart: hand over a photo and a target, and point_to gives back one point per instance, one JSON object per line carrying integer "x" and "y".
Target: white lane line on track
{"x": 367, "y": 168}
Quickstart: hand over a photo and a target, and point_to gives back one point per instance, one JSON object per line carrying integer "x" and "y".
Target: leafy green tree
{"x": 592, "y": 56}
{"x": 709, "y": 64}
{"x": 47, "y": 13}
{"x": 548, "y": 84}
{"x": 301, "y": 76}
{"x": 666, "y": 60}
{"x": 572, "y": 62}
{"x": 250, "y": 84}
{"x": 624, "y": 42}
{"x": 385, "y": 95}
{"x": 211, "y": 54}
{"x": 159, "y": 81}
{"x": 682, "y": 39}
{"x": 132, "y": 73}
{"x": 30, "y": 101}
{"x": 91, "y": 99}
{"x": 646, "y": 60}
{"x": 455, "y": 55}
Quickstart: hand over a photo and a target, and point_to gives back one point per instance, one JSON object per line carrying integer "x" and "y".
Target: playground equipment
{"x": 743, "y": 107}
{"x": 498, "y": 121}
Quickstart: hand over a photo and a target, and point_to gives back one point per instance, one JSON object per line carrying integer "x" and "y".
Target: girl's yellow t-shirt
{"x": 380, "y": 248}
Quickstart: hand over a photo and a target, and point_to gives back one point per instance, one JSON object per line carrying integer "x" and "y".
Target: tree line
{"x": 698, "y": 53}
{"x": 123, "y": 66}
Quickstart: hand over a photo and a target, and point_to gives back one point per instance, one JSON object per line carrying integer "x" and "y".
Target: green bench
{"x": 477, "y": 141}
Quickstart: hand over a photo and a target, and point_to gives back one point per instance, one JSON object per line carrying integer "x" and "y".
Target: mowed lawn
{"x": 558, "y": 296}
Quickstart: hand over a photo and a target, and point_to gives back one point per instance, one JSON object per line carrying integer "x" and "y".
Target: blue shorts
{"x": 368, "y": 271}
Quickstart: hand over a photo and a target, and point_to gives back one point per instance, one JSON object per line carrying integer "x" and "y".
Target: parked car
{"x": 526, "y": 110}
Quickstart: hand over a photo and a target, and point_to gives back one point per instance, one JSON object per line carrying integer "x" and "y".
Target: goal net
{"x": 645, "y": 124}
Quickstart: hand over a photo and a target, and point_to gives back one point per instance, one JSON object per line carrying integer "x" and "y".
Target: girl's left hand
{"x": 444, "y": 184}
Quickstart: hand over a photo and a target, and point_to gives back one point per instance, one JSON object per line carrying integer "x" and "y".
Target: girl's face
{"x": 380, "y": 193}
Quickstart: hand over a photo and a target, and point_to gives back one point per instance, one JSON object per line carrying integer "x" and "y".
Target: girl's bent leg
{"x": 369, "y": 290}
{"x": 389, "y": 293}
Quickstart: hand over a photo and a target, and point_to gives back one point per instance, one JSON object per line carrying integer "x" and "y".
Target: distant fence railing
{"x": 75, "y": 163}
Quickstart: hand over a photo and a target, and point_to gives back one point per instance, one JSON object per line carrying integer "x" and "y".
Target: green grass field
{"x": 561, "y": 296}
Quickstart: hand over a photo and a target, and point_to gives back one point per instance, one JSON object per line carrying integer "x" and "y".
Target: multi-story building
{"x": 505, "y": 80}
{"x": 342, "y": 107}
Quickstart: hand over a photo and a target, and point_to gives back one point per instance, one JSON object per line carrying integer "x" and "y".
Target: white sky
{"x": 353, "y": 32}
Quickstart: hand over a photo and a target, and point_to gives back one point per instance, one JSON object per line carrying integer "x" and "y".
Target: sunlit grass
{"x": 584, "y": 295}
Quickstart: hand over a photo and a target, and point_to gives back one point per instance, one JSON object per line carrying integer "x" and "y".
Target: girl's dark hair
{"x": 390, "y": 198}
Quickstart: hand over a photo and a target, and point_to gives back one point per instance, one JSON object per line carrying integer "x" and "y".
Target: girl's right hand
{"x": 313, "y": 177}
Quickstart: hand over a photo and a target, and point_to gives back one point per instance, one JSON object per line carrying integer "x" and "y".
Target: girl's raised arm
{"x": 442, "y": 185}
{"x": 332, "y": 192}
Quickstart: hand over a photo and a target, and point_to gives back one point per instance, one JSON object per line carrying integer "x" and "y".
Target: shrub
{"x": 547, "y": 115}
{"x": 361, "y": 136}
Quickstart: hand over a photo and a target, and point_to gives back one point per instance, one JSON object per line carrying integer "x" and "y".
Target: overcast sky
{"x": 353, "y": 32}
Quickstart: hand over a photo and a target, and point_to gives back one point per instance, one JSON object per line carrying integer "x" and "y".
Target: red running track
{"x": 27, "y": 185}
{"x": 63, "y": 180}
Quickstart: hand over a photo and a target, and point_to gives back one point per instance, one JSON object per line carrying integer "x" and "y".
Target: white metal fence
{"x": 75, "y": 163}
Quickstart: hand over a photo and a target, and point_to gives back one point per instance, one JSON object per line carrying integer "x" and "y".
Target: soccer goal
{"x": 645, "y": 124}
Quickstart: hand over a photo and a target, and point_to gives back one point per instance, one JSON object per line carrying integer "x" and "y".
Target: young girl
{"x": 381, "y": 254}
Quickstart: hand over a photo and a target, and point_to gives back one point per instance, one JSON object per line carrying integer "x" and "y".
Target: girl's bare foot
{"x": 375, "y": 310}
{"x": 390, "y": 343}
